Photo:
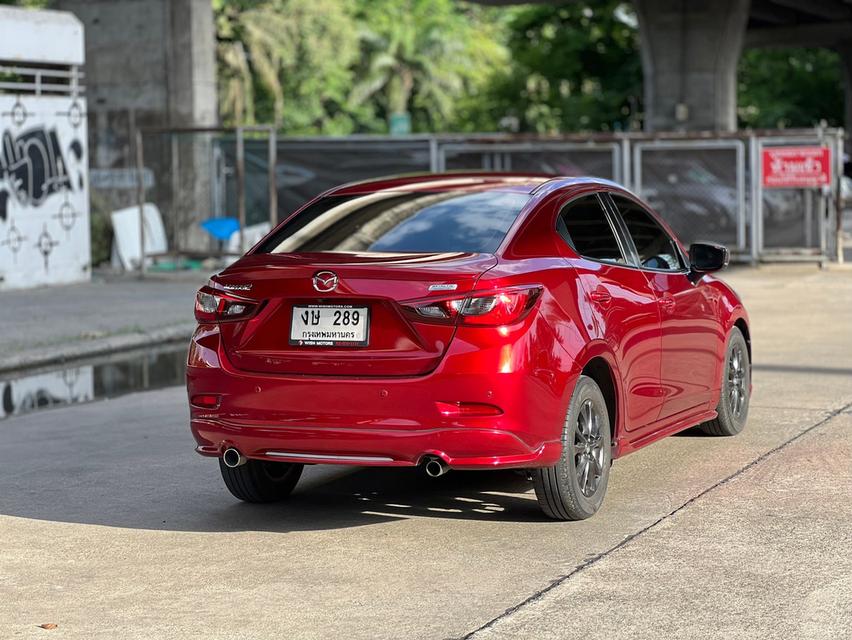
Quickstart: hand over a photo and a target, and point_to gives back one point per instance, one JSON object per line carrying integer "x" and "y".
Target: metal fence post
{"x": 741, "y": 197}
{"x": 756, "y": 196}
{"x": 809, "y": 217}
{"x": 434, "y": 163}
{"x": 140, "y": 194}
{"x": 636, "y": 169}
{"x": 626, "y": 173}
{"x": 177, "y": 222}
{"x": 241, "y": 188}
{"x": 273, "y": 182}
{"x": 838, "y": 196}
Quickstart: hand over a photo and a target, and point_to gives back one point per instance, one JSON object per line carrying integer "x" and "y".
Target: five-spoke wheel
{"x": 574, "y": 488}
{"x": 732, "y": 409}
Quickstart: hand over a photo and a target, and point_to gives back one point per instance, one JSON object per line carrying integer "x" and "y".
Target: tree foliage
{"x": 340, "y": 66}
{"x": 285, "y": 61}
{"x": 29, "y": 4}
{"x": 343, "y": 66}
{"x": 780, "y": 88}
{"x": 573, "y": 67}
{"x": 423, "y": 56}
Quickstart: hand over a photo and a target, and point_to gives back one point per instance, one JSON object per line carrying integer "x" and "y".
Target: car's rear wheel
{"x": 261, "y": 480}
{"x": 574, "y": 488}
{"x": 732, "y": 410}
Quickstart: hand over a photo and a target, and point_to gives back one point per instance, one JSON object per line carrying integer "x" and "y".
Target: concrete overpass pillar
{"x": 151, "y": 63}
{"x": 690, "y": 51}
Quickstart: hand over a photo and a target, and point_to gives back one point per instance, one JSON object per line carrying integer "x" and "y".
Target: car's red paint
{"x": 660, "y": 335}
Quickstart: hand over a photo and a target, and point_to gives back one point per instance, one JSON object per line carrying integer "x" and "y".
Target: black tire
{"x": 261, "y": 480}
{"x": 734, "y": 398}
{"x": 563, "y": 491}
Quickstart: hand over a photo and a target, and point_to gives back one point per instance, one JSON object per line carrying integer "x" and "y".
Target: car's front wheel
{"x": 574, "y": 488}
{"x": 732, "y": 410}
{"x": 261, "y": 480}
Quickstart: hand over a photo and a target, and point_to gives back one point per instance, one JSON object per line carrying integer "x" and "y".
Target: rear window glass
{"x": 401, "y": 222}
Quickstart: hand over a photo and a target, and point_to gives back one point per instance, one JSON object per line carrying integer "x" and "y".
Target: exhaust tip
{"x": 233, "y": 458}
{"x": 435, "y": 467}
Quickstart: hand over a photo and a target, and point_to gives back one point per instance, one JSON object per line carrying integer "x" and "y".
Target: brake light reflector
{"x": 212, "y": 305}
{"x": 501, "y": 307}
{"x": 206, "y": 401}
{"x": 467, "y": 409}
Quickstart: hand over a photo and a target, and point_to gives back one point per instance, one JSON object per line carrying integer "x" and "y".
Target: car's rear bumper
{"x": 387, "y": 421}
{"x": 460, "y": 448}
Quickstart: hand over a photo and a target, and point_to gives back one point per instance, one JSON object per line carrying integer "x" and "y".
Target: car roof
{"x": 531, "y": 183}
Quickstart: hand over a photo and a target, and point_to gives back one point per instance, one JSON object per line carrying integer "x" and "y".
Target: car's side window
{"x": 585, "y": 226}
{"x": 655, "y": 247}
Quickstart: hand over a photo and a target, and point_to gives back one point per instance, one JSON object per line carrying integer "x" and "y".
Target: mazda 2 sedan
{"x": 465, "y": 321}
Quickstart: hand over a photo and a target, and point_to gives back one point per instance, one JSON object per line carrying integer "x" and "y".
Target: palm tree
{"x": 415, "y": 53}
{"x": 249, "y": 45}
{"x": 298, "y": 48}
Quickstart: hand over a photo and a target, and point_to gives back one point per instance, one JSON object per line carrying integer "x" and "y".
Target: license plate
{"x": 330, "y": 326}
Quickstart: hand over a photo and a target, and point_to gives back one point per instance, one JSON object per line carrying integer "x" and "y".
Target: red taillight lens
{"x": 212, "y": 305}
{"x": 467, "y": 409}
{"x": 206, "y": 400}
{"x": 504, "y": 306}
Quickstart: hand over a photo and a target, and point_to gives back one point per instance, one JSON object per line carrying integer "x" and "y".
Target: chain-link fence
{"x": 216, "y": 191}
{"x": 697, "y": 186}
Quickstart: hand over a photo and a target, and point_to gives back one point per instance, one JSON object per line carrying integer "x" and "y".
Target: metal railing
{"x": 35, "y": 80}
{"x": 708, "y": 187}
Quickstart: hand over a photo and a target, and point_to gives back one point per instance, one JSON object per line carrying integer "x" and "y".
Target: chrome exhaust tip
{"x": 233, "y": 458}
{"x": 435, "y": 467}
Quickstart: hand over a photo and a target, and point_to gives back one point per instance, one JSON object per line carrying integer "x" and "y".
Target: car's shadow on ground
{"x": 326, "y": 498}
{"x": 693, "y": 432}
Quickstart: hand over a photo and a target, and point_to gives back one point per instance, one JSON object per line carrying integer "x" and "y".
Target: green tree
{"x": 422, "y": 57}
{"x": 285, "y": 62}
{"x": 30, "y": 4}
{"x": 781, "y": 88}
{"x": 574, "y": 67}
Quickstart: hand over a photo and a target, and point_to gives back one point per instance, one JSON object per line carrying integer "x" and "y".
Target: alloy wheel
{"x": 736, "y": 381}
{"x": 588, "y": 449}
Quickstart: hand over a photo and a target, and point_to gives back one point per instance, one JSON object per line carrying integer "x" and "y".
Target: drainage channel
{"x": 109, "y": 376}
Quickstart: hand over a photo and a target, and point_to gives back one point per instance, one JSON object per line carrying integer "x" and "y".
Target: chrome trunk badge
{"x": 325, "y": 281}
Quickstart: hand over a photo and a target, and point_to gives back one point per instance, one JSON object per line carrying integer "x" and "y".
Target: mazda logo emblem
{"x": 325, "y": 281}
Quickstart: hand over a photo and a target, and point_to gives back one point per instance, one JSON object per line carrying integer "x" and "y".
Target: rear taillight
{"x": 500, "y": 307}
{"x": 212, "y": 305}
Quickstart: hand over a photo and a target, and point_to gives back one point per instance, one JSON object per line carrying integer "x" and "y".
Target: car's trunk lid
{"x": 396, "y": 343}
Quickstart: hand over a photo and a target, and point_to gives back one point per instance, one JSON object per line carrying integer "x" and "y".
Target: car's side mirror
{"x": 706, "y": 257}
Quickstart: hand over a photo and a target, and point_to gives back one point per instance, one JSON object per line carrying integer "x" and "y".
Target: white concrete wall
{"x": 44, "y": 191}
{"x": 44, "y": 183}
{"x": 28, "y": 36}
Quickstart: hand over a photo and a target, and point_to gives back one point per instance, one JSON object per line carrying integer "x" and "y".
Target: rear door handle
{"x": 667, "y": 302}
{"x": 601, "y": 296}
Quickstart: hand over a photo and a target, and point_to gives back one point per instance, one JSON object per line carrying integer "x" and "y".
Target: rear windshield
{"x": 401, "y": 222}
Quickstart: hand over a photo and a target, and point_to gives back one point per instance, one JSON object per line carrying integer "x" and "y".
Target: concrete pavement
{"x": 762, "y": 555}
{"x": 113, "y": 312}
{"x": 112, "y": 527}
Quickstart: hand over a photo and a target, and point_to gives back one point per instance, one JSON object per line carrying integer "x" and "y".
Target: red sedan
{"x": 465, "y": 321}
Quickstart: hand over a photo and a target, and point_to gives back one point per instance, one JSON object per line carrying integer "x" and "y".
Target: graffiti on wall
{"x": 44, "y": 236}
{"x": 32, "y": 167}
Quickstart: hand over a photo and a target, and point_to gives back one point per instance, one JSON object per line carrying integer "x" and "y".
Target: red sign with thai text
{"x": 796, "y": 167}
